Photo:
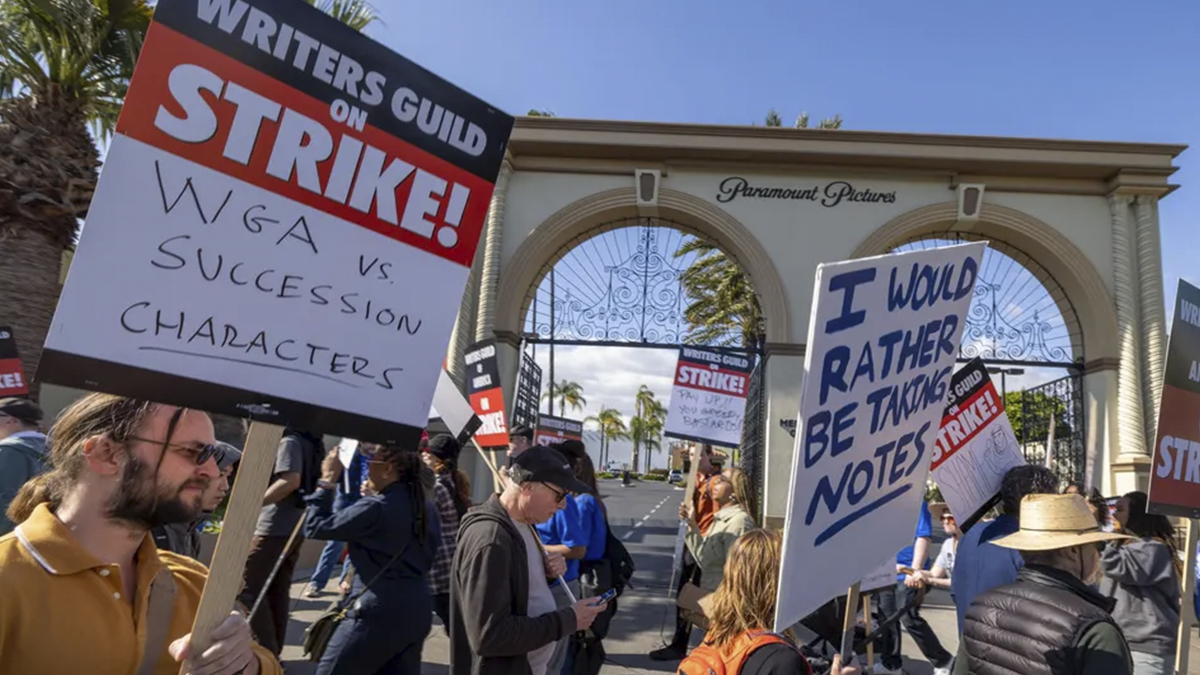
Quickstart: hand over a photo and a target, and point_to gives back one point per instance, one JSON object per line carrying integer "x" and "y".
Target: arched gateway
{"x": 1076, "y": 286}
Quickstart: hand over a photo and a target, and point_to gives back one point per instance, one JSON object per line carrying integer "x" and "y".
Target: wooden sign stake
{"x": 1187, "y": 610}
{"x": 497, "y": 483}
{"x": 689, "y": 496}
{"x": 870, "y": 644}
{"x": 850, "y": 621}
{"x": 233, "y": 545}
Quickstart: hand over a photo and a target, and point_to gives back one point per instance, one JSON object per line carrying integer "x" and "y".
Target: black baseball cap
{"x": 443, "y": 446}
{"x": 21, "y": 409}
{"x": 522, "y": 431}
{"x": 227, "y": 455}
{"x": 544, "y": 465}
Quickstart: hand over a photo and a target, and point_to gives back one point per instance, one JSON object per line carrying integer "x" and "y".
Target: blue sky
{"x": 1075, "y": 69}
{"x": 1094, "y": 69}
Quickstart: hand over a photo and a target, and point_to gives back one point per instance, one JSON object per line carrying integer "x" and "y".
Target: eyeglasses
{"x": 198, "y": 455}
{"x": 558, "y": 496}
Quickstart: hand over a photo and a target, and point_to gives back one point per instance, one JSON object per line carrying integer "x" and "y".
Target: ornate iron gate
{"x": 1048, "y": 421}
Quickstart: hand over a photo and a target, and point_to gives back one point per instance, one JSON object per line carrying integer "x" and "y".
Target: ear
{"x": 103, "y": 455}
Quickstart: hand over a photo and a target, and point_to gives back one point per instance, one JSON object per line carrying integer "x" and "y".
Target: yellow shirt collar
{"x": 57, "y": 550}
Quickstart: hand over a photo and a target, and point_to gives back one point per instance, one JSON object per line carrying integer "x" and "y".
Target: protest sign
{"x": 451, "y": 410}
{"x": 12, "y": 375}
{"x": 485, "y": 394}
{"x": 284, "y": 225}
{"x": 882, "y": 341}
{"x": 529, "y": 386}
{"x": 976, "y": 445}
{"x": 881, "y": 577}
{"x": 1175, "y": 479}
{"x": 556, "y": 430}
{"x": 708, "y": 400}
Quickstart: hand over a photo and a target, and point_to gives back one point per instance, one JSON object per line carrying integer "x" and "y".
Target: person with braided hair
{"x": 392, "y": 535}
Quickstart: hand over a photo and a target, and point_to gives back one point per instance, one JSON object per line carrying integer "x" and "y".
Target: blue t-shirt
{"x": 980, "y": 566}
{"x": 924, "y": 529}
{"x": 564, "y": 530}
{"x": 591, "y": 525}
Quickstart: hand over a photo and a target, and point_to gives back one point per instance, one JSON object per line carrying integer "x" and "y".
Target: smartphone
{"x": 608, "y": 595}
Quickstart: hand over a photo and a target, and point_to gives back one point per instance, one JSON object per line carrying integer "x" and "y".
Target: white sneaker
{"x": 880, "y": 669}
{"x": 942, "y": 671}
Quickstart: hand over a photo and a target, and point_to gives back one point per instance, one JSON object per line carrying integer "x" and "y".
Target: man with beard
{"x": 184, "y": 538}
{"x": 84, "y": 588}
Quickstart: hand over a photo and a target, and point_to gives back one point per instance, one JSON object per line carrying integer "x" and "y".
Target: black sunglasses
{"x": 559, "y": 497}
{"x": 198, "y": 455}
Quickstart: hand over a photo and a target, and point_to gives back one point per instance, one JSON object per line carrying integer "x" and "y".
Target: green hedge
{"x": 661, "y": 477}
{"x": 605, "y": 474}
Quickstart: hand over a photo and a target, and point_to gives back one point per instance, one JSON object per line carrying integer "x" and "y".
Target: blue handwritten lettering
{"x": 846, "y": 282}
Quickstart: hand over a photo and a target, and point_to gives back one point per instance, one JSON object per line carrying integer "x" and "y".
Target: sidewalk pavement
{"x": 642, "y": 624}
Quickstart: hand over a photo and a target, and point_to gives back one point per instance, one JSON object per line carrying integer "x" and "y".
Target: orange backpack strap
{"x": 708, "y": 660}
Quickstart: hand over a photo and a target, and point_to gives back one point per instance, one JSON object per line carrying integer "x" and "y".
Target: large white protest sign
{"x": 883, "y": 338}
{"x": 976, "y": 445}
{"x": 708, "y": 401}
{"x": 284, "y": 225}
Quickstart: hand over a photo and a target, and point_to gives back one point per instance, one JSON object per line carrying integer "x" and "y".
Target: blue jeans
{"x": 330, "y": 554}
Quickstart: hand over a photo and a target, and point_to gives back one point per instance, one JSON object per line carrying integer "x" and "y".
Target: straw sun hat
{"x": 1051, "y": 522}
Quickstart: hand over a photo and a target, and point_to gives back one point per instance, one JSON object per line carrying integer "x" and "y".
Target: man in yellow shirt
{"x": 82, "y": 561}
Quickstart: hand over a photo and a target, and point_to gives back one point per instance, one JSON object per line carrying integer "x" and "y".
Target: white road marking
{"x": 644, "y": 519}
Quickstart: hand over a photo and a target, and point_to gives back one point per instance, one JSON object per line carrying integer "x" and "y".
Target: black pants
{"x": 441, "y": 607}
{"x": 683, "y": 627}
{"x": 916, "y": 625}
{"x": 269, "y": 624}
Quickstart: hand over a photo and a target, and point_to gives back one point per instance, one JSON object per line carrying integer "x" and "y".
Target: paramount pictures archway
{"x": 1071, "y": 283}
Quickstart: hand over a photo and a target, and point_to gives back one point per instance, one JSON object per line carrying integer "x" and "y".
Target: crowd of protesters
{"x": 103, "y": 521}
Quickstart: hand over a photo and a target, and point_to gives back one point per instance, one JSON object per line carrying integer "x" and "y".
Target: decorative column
{"x": 1153, "y": 323}
{"x": 494, "y": 239}
{"x": 1130, "y": 421}
{"x": 464, "y": 324}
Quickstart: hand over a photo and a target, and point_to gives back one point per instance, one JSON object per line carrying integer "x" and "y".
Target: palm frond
{"x": 356, "y": 14}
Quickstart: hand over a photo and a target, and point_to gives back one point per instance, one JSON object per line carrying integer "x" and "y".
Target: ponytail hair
{"x": 115, "y": 417}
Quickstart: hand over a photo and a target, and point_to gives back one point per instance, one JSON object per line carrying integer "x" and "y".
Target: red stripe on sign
{"x": 967, "y": 422}
{"x": 12, "y": 378}
{"x": 704, "y": 377}
{"x": 1175, "y": 474}
{"x": 199, "y": 104}
{"x": 489, "y": 407}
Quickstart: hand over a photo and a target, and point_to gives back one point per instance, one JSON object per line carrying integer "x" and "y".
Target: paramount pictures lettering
{"x": 829, "y": 195}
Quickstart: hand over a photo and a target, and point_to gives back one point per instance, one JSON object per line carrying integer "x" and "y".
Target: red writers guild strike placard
{"x": 283, "y": 227}
{"x": 1175, "y": 476}
{"x": 12, "y": 375}
{"x": 485, "y": 394}
{"x": 708, "y": 401}
{"x": 976, "y": 445}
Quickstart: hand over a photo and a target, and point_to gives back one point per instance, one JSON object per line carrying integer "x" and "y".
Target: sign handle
{"x": 689, "y": 497}
{"x": 233, "y": 544}
{"x": 849, "y": 623}
{"x": 1187, "y": 610}
{"x": 497, "y": 483}
{"x": 866, "y": 608}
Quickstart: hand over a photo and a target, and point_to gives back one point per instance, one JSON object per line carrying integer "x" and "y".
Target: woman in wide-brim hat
{"x": 1051, "y": 620}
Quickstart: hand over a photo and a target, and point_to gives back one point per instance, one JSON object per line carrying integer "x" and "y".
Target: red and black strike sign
{"x": 556, "y": 430}
{"x": 1175, "y": 476}
{"x": 485, "y": 394}
{"x": 972, "y": 403}
{"x": 12, "y": 376}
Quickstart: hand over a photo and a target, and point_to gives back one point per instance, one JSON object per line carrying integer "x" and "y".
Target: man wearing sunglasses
{"x": 22, "y": 450}
{"x": 504, "y": 619}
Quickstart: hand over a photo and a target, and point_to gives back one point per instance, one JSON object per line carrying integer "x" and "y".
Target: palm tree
{"x": 774, "y": 120}
{"x": 656, "y": 418}
{"x": 643, "y": 402}
{"x": 567, "y": 393}
{"x": 354, "y": 13}
{"x": 64, "y": 70}
{"x": 611, "y": 427}
{"x": 722, "y": 307}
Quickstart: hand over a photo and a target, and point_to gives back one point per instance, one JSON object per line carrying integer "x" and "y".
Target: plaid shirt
{"x": 439, "y": 574}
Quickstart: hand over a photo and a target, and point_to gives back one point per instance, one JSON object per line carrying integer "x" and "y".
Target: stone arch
{"x": 548, "y": 239}
{"x": 1090, "y": 301}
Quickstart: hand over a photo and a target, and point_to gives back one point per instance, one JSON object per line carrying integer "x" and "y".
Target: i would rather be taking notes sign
{"x": 283, "y": 227}
{"x": 882, "y": 342}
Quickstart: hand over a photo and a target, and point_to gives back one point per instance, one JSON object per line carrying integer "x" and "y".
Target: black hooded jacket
{"x": 491, "y": 633}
